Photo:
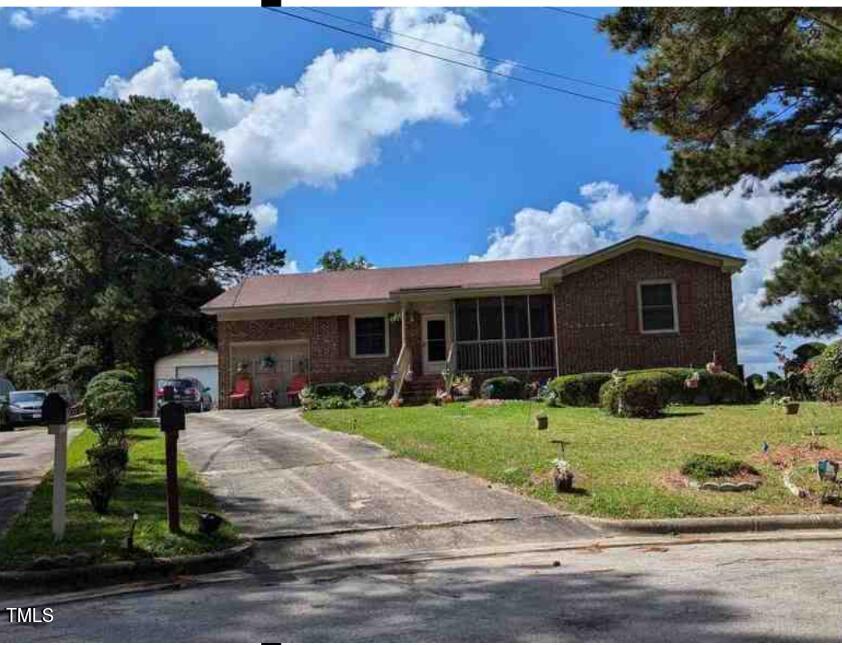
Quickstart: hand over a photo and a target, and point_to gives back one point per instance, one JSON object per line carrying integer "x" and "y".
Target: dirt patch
{"x": 787, "y": 456}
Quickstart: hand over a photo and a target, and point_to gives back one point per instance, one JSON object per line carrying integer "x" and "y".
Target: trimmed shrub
{"x": 579, "y": 390}
{"x": 501, "y": 387}
{"x": 640, "y": 395}
{"x": 825, "y": 373}
{"x": 701, "y": 467}
{"x": 323, "y": 390}
{"x": 713, "y": 388}
{"x": 110, "y": 404}
{"x": 329, "y": 403}
{"x": 124, "y": 376}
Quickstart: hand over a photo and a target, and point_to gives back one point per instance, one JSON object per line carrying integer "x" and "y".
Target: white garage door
{"x": 207, "y": 374}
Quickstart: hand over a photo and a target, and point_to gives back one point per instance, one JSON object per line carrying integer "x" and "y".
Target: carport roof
{"x": 381, "y": 285}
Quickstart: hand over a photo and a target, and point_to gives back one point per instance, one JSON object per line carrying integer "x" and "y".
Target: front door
{"x": 434, "y": 338}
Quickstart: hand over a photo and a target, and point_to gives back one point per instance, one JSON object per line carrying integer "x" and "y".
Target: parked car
{"x": 23, "y": 408}
{"x": 190, "y": 392}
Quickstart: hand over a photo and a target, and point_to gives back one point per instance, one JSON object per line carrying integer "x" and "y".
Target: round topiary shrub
{"x": 640, "y": 395}
{"x": 124, "y": 376}
{"x": 579, "y": 390}
{"x": 825, "y": 373}
{"x": 501, "y": 387}
{"x": 111, "y": 404}
{"x": 701, "y": 467}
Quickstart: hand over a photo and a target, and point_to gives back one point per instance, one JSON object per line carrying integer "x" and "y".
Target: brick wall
{"x": 330, "y": 352}
{"x": 593, "y": 316}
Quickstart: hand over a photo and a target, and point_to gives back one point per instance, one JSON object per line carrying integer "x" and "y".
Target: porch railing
{"x": 402, "y": 367}
{"x": 511, "y": 354}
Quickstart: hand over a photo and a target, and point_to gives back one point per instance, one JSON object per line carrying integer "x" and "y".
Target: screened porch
{"x": 504, "y": 333}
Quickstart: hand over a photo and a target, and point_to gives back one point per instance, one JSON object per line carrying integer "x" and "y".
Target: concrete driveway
{"x": 25, "y": 455}
{"x": 280, "y": 477}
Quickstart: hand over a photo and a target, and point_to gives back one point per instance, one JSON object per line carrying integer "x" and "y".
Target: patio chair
{"x": 241, "y": 392}
{"x": 298, "y": 383}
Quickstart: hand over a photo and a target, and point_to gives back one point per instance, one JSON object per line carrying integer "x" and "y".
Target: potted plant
{"x": 562, "y": 476}
{"x": 790, "y": 405}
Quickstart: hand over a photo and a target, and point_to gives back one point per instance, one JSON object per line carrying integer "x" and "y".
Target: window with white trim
{"x": 657, "y": 306}
{"x": 370, "y": 336}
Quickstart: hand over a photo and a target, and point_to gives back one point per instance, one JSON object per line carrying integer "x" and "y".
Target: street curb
{"x": 740, "y": 524}
{"x": 176, "y": 565}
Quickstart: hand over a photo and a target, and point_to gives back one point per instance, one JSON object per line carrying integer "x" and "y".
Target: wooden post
{"x": 172, "y": 422}
{"x": 54, "y": 414}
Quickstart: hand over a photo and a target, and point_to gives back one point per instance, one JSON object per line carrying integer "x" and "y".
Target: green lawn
{"x": 143, "y": 490}
{"x": 622, "y": 465}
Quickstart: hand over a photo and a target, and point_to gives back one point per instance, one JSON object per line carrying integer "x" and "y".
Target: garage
{"x": 202, "y": 364}
{"x": 270, "y": 365}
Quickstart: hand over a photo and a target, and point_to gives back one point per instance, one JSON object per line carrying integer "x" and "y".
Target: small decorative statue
{"x": 269, "y": 398}
{"x": 692, "y": 382}
{"x": 714, "y": 367}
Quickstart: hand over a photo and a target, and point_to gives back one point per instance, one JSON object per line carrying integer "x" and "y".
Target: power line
{"x": 573, "y": 13}
{"x": 492, "y": 59}
{"x": 441, "y": 58}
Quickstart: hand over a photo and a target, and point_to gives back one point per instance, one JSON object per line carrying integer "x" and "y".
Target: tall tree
{"x": 334, "y": 260}
{"x": 745, "y": 92}
{"x": 121, "y": 221}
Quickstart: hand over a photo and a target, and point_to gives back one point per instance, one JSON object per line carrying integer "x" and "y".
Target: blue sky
{"x": 395, "y": 156}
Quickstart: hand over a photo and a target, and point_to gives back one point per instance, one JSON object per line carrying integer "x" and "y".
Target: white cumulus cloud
{"x": 26, "y": 102}
{"x": 332, "y": 121}
{"x": 265, "y": 218}
{"x": 23, "y": 19}
{"x": 606, "y": 214}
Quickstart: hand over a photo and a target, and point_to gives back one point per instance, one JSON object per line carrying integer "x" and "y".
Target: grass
{"x": 143, "y": 490}
{"x": 623, "y": 466}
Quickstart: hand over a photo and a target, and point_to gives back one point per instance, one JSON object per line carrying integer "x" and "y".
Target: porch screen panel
{"x": 517, "y": 331}
{"x": 541, "y": 316}
{"x": 467, "y": 333}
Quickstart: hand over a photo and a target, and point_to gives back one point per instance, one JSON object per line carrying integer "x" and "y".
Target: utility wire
{"x": 492, "y": 59}
{"x": 441, "y": 58}
{"x": 573, "y": 13}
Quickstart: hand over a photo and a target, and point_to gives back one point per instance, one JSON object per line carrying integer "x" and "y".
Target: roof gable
{"x": 728, "y": 263}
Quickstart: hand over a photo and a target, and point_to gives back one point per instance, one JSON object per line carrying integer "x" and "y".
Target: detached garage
{"x": 202, "y": 364}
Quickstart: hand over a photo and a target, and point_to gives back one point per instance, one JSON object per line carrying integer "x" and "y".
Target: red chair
{"x": 241, "y": 391}
{"x": 298, "y": 383}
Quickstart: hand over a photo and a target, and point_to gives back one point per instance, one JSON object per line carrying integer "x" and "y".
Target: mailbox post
{"x": 54, "y": 415}
{"x": 172, "y": 422}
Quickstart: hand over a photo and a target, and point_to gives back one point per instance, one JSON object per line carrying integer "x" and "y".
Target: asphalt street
{"x": 769, "y": 591}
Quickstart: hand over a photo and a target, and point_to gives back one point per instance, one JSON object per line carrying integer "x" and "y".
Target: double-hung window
{"x": 657, "y": 306}
{"x": 370, "y": 336}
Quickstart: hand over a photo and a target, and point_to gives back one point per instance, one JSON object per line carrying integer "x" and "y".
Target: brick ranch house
{"x": 639, "y": 303}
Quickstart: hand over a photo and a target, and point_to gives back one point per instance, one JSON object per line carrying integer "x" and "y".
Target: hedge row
{"x": 582, "y": 390}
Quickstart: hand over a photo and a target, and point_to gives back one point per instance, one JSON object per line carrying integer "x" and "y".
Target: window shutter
{"x": 344, "y": 336}
{"x": 632, "y": 325}
{"x": 686, "y": 306}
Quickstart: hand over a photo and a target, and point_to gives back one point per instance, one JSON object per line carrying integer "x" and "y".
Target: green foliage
{"x": 808, "y": 351}
{"x": 640, "y": 395}
{"x": 501, "y": 387}
{"x": 334, "y": 260}
{"x": 122, "y": 221}
{"x": 706, "y": 466}
{"x": 750, "y": 92}
{"x": 329, "y": 403}
{"x": 825, "y": 375}
{"x": 379, "y": 389}
{"x": 712, "y": 389}
{"x": 110, "y": 405}
{"x": 341, "y": 390}
{"x": 578, "y": 390}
